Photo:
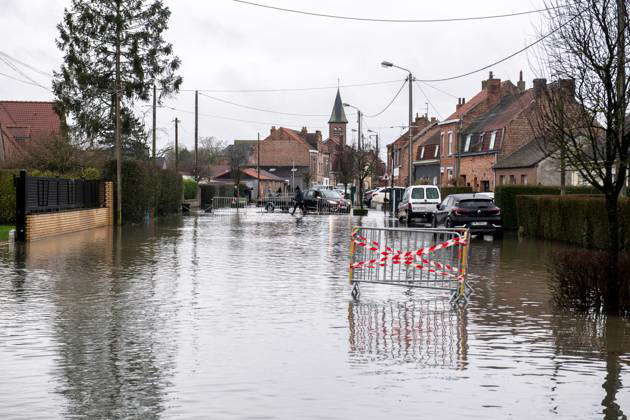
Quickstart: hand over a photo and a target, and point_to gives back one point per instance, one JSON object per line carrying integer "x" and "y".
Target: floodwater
{"x": 250, "y": 317}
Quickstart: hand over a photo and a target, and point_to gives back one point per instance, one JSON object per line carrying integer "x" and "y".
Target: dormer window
{"x": 467, "y": 145}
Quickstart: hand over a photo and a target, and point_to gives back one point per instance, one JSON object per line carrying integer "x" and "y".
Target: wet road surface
{"x": 250, "y": 317}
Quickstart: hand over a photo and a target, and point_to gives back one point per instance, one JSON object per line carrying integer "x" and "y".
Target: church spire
{"x": 338, "y": 115}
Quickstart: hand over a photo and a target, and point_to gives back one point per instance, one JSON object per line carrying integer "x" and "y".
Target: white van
{"x": 419, "y": 202}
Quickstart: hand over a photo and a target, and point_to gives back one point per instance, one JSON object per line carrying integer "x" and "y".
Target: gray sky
{"x": 225, "y": 45}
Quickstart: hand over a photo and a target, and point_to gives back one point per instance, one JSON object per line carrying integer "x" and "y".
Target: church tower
{"x": 337, "y": 125}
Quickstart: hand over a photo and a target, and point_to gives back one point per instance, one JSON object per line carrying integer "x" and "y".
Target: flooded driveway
{"x": 250, "y": 316}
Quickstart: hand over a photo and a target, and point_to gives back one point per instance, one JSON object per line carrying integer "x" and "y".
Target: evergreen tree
{"x": 89, "y": 34}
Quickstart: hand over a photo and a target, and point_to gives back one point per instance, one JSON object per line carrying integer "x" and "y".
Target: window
{"x": 493, "y": 137}
{"x": 417, "y": 193}
{"x": 480, "y": 142}
{"x": 422, "y": 153}
{"x": 442, "y": 141}
{"x": 524, "y": 179}
{"x": 433, "y": 193}
{"x": 512, "y": 179}
{"x": 501, "y": 179}
{"x": 450, "y": 142}
{"x": 467, "y": 146}
{"x": 437, "y": 151}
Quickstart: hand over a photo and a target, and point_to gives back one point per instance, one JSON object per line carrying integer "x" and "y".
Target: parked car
{"x": 382, "y": 196}
{"x": 419, "y": 202}
{"x": 478, "y": 212}
{"x": 320, "y": 199}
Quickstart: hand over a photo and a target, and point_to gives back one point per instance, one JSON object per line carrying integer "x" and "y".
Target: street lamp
{"x": 387, "y": 64}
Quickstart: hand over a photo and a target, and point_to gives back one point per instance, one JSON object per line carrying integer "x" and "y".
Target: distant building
{"x": 25, "y": 123}
{"x": 301, "y": 157}
{"x": 398, "y": 151}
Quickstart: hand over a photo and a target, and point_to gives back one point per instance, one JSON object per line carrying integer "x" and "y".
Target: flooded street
{"x": 237, "y": 317}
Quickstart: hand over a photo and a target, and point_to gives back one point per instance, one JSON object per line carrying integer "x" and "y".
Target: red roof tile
{"x": 40, "y": 117}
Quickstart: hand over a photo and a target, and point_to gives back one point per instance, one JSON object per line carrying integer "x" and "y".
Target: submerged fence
{"x": 416, "y": 258}
{"x": 228, "y": 205}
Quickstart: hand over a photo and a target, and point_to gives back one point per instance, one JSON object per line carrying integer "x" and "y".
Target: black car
{"x": 474, "y": 211}
{"x": 320, "y": 200}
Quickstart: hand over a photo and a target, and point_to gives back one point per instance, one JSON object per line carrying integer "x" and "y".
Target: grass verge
{"x": 4, "y": 232}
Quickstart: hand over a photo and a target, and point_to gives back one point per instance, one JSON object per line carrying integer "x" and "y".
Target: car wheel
{"x": 433, "y": 222}
{"x": 497, "y": 235}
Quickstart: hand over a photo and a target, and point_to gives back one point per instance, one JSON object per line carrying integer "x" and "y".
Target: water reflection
{"x": 428, "y": 332}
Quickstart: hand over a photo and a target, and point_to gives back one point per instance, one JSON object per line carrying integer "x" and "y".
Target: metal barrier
{"x": 228, "y": 205}
{"x": 276, "y": 203}
{"x": 427, "y": 332}
{"x": 416, "y": 258}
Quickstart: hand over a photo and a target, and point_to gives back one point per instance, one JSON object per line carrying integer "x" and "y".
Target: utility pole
{"x": 409, "y": 182}
{"x": 176, "y": 144}
{"x": 196, "y": 133}
{"x": 360, "y": 143}
{"x": 258, "y": 164}
{"x": 118, "y": 122}
{"x": 154, "y": 120}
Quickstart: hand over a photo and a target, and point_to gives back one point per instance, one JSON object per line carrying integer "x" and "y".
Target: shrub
{"x": 7, "y": 198}
{"x": 578, "y": 280}
{"x": 576, "y": 219}
{"x": 170, "y": 187}
{"x": 505, "y": 197}
{"x": 190, "y": 189}
{"x": 145, "y": 187}
{"x": 446, "y": 191}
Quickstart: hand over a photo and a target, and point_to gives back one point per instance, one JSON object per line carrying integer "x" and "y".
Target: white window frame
{"x": 467, "y": 146}
{"x": 422, "y": 153}
{"x": 437, "y": 151}
{"x": 493, "y": 138}
{"x": 450, "y": 143}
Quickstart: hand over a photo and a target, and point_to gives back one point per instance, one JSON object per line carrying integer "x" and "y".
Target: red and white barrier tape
{"x": 409, "y": 256}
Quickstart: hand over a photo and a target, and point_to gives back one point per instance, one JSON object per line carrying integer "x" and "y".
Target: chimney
{"x": 273, "y": 130}
{"x": 459, "y": 103}
{"x": 539, "y": 86}
{"x": 493, "y": 88}
{"x": 304, "y": 130}
{"x": 521, "y": 83}
{"x": 433, "y": 119}
{"x": 567, "y": 87}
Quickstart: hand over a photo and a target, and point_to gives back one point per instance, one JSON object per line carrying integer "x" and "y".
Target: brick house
{"x": 24, "y": 124}
{"x": 284, "y": 150}
{"x": 499, "y": 133}
{"x": 426, "y": 149}
{"x": 528, "y": 165}
{"x": 492, "y": 90}
{"x": 398, "y": 151}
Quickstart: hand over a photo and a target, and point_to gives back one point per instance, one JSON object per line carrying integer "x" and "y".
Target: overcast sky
{"x": 226, "y": 45}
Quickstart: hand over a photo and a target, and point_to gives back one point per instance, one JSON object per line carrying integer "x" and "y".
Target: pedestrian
{"x": 299, "y": 201}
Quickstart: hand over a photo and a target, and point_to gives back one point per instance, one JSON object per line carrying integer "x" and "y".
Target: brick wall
{"x": 478, "y": 169}
{"x": 50, "y": 224}
{"x": 518, "y": 132}
{"x": 531, "y": 175}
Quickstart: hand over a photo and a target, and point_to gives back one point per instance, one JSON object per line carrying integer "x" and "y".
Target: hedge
{"x": 446, "y": 191}
{"x": 190, "y": 189}
{"x": 576, "y": 219}
{"x": 7, "y": 198}
{"x": 142, "y": 185}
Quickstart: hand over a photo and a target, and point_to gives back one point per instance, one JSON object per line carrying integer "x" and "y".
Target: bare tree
{"x": 582, "y": 118}
{"x": 367, "y": 164}
{"x": 237, "y": 156}
{"x": 344, "y": 165}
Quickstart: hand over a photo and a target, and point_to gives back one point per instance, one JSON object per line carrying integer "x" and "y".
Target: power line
{"x": 440, "y": 90}
{"x": 387, "y": 82}
{"x": 539, "y": 40}
{"x": 25, "y": 81}
{"x": 325, "y": 15}
{"x": 224, "y": 118}
{"x": 261, "y": 109}
{"x": 429, "y": 101}
{"x": 390, "y": 102}
{"x": 21, "y": 73}
{"x": 36, "y": 70}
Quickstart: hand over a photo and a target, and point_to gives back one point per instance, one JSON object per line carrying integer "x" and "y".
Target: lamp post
{"x": 387, "y": 64}
{"x": 359, "y": 145}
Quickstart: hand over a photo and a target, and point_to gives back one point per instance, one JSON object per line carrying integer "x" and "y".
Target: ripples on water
{"x": 250, "y": 316}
